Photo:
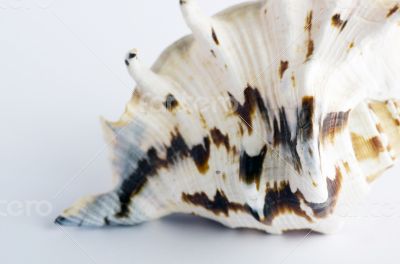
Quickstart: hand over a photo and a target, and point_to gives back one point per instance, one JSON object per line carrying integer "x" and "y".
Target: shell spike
{"x": 147, "y": 80}
{"x": 210, "y": 33}
{"x": 202, "y": 26}
{"x": 193, "y": 15}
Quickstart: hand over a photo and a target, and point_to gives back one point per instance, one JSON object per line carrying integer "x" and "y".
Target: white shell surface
{"x": 273, "y": 115}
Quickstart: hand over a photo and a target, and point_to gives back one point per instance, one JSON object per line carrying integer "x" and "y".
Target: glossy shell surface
{"x": 274, "y": 115}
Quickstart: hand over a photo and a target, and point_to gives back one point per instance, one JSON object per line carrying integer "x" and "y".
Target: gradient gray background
{"x": 61, "y": 67}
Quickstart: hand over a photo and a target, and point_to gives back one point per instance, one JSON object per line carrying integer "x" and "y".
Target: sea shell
{"x": 274, "y": 115}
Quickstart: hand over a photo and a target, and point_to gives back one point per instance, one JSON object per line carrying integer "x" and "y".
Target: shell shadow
{"x": 193, "y": 222}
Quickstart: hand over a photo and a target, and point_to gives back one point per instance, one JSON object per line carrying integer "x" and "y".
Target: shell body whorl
{"x": 274, "y": 115}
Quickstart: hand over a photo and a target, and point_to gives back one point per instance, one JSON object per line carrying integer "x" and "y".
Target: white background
{"x": 61, "y": 67}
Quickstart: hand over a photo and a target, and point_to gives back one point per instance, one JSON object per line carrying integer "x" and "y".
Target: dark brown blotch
{"x": 337, "y": 22}
{"x": 251, "y": 167}
{"x": 280, "y": 200}
{"x": 306, "y": 118}
{"x": 201, "y": 154}
{"x": 333, "y": 124}
{"x": 282, "y": 68}
{"x": 282, "y": 135}
{"x": 252, "y": 99}
{"x": 218, "y": 205}
{"x": 309, "y": 18}
{"x": 308, "y": 29}
{"x": 171, "y": 103}
{"x": 219, "y": 138}
{"x": 214, "y": 36}
{"x": 310, "y": 49}
{"x": 151, "y": 163}
{"x": 132, "y": 185}
{"x": 393, "y": 10}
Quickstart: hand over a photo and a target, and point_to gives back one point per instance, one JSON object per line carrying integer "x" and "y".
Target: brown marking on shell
{"x": 308, "y": 29}
{"x": 308, "y": 26}
{"x": 234, "y": 150}
{"x": 147, "y": 167}
{"x": 151, "y": 163}
{"x": 346, "y": 166}
{"x": 252, "y": 99}
{"x": 310, "y": 49}
{"x": 393, "y": 10}
{"x": 251, "y": 167}
{"x": 219, "y": 138}
{"x": 214, "y": 36}
{"x": 203, "y": 120}
{"x": 333, "y": 124}
{"x": 337, "y": 22}
{"x": 310, "y": 151}
{"x": 282, "y": 68}
{"x": 246, "y": 110}
{"x": 366, "y": 148}
{"x": 306, "y": 118}
{"x": 213, "y": 53}
{"x": 283, "y": 136}
{"x": 241, "y": 130}
{"x": 379, "y": 128}
{"x": 322, "y": 210}
{"x": 351, "y": 45}
{"x": 293, "y": 78}
{"x": 182, "y": 2}
{"x": 280, "y": 200}
{"x": 201, "y": 154}
{"x": 388, "y": 125}
{"x": 218, "y": 205}
{"x": 171, "y": 103}
{"x": 381, "y": 108}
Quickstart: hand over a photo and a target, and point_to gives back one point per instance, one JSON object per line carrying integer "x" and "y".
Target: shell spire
{"x": 207, "y": 30}
{"x": 147, "y": 80}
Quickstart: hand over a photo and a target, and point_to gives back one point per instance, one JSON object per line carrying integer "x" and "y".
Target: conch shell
{"x": 274, "y": 115}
